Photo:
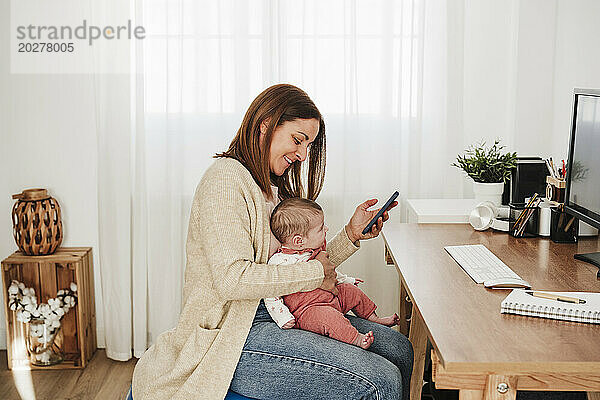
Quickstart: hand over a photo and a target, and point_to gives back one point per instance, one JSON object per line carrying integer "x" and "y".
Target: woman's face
{"x": 291, "y": 141}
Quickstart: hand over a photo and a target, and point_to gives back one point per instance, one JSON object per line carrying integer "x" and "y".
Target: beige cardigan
{"x": 225, "y": 278}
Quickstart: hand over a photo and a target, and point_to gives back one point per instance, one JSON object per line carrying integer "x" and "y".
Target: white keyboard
{"x": 480, "y": 263}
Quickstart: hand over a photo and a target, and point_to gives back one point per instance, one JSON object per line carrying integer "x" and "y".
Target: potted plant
{"x": 488, "y": 168}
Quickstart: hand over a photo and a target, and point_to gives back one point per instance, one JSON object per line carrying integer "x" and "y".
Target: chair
{"x": 235, "y": 396}
{"x": 230, "y": 396}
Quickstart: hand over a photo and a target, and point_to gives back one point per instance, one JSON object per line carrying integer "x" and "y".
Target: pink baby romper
{"x": 322, "y": 312}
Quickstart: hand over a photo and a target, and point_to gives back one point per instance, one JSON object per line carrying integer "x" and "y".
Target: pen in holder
{"x": 555, "y": 189}
{"x": 563, "y": 227}
{"x": 523, "y": 220}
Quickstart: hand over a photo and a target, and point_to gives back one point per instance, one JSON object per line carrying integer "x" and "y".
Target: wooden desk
{"x": 476, "y": 348}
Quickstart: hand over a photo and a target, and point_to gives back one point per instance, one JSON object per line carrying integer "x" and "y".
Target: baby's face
{"x": 316, "y": 234}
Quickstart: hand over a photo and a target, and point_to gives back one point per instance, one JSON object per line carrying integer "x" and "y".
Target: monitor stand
{"x": 592, "y": 258}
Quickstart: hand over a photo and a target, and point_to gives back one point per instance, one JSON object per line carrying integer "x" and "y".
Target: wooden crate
{"x": 47, "y": 275}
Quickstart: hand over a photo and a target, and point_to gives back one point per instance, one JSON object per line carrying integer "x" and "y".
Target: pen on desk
{"x": 549, "y": 296}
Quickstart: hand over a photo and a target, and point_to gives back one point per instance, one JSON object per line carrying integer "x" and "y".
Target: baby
{"x": 299, "y": 226}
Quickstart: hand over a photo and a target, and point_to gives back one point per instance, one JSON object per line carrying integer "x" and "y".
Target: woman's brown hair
{"x": 279, "y": 104}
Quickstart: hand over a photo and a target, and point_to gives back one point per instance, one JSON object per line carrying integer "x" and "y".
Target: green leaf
{"x": 487, "y": 165}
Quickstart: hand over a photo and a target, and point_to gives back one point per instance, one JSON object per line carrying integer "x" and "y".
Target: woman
{"x": 225, "y": 336}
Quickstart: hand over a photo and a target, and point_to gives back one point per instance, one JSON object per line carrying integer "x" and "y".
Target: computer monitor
{"x": 582, "y": 196}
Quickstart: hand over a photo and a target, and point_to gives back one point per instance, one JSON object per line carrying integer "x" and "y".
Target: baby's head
{"x": 299, "y": 224}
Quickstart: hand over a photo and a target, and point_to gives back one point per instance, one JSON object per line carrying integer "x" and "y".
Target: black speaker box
{"x": 527, "y": 178}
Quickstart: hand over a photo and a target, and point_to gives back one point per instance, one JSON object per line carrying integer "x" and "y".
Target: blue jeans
{"x": 295, "y": 364}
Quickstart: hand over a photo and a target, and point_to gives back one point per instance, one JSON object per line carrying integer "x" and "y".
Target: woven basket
{"x": 37, "y": 226}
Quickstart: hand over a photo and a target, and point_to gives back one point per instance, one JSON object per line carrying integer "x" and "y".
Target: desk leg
{"x": 501, "y": 387}
{"x": 497, "y": 387}
{"x": 465, "y": 394}
{"x": 418, "y": 339}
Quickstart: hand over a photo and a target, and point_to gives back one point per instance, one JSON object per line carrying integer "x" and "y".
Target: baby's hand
{"x": 357, "y": 281}
{"x": 290, "y": 324}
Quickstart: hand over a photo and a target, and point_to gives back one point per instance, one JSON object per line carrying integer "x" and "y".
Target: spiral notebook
{"x": 519, "y": 302}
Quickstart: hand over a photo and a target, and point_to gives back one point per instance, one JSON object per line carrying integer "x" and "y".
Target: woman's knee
{"x": 391, "y": 345}
{"x": 405, "y": 354}
{"x": 387, "y": 381}
{"x": 381, "y": 380}
{"x": 399, "y": 351}
{"x": 388, "y": 343}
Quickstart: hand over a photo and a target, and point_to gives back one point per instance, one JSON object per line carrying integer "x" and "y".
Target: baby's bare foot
{"x": 364, "y": 341}
{"x": 387, "y": 321}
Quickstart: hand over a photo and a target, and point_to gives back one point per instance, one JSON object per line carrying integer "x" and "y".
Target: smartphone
{"x": 380, "y": 213}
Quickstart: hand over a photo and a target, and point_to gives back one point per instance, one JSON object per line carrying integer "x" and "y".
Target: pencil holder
{"x": 555, "y": 189}
{"x": 563, "y": 227}
{"x": 523, "y": 220}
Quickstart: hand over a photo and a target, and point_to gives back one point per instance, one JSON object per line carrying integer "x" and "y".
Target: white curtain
{"x": 377, "y": 70}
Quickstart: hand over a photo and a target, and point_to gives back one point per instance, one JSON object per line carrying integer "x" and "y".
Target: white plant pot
{"x": 489, "y": 192}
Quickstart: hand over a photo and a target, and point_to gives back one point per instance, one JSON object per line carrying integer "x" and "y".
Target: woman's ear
{"x": 264, "y": 126}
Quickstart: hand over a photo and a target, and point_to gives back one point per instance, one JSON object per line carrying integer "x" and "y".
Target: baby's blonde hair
{"x": 293, "y": 217}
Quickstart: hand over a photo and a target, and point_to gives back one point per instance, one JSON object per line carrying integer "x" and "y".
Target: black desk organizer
{"x": 531, "y": 224}
{"x": 564, "y": 228}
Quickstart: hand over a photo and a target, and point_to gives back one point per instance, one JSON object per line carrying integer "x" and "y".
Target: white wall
{"x": 489, "y": 73}
{"x": 521, "y": 60}
{"x": 48, "y": 141}
{"x": 577, "y": 62}
{"x": 5, "y": 223}
{"x": 533, "y": 91}
{"x": 508, "y": 73}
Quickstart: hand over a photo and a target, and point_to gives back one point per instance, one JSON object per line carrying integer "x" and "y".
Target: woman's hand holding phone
{"x": 363, "y": 217}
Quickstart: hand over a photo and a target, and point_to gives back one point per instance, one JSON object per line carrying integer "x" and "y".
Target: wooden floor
{"x": 102, "y": 379}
